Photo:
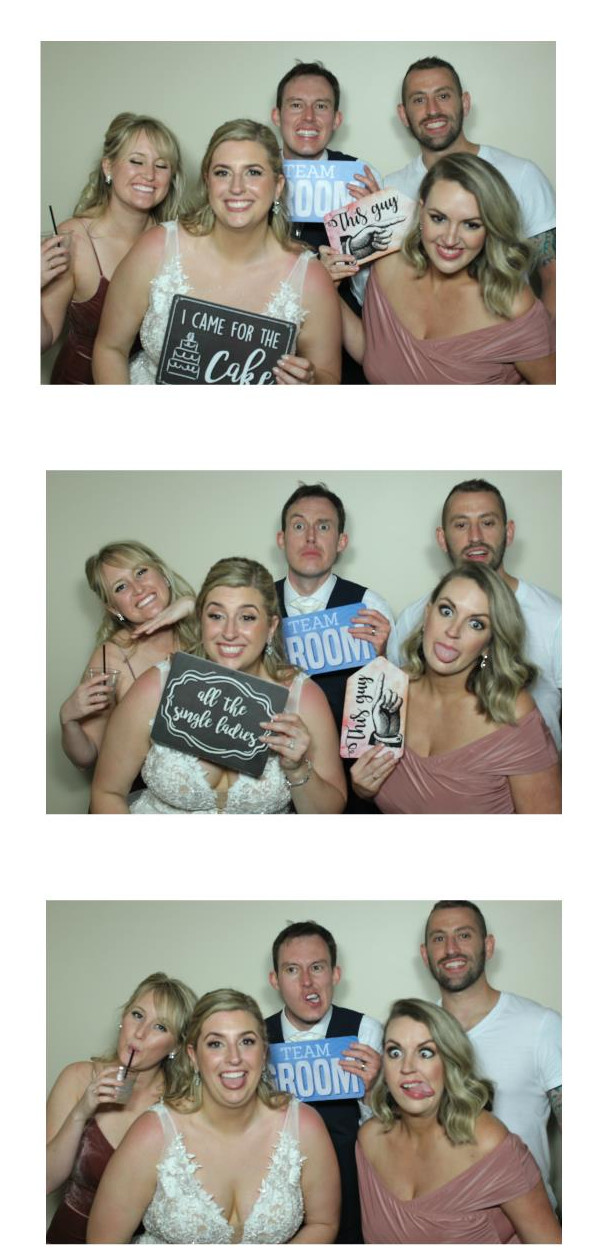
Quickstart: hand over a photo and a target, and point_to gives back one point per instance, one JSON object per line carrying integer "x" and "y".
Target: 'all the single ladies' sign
{"x": 215, "y": 713}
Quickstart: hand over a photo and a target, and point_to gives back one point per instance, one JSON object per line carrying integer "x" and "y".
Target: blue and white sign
{"x": 319, "y": 642}
{"x": 310, "y": 1070}
{"x": 318, "y": 187}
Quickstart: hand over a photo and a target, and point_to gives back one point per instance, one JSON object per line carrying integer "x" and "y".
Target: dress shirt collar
{"x": 317, "y": 1031}
{"x": 297, "y": 605}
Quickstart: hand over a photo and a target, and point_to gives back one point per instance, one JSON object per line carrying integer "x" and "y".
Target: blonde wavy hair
{"x": 131, "y": 554}
{"x": 503, "y": 265}
{"x": 124, "y": 128}
{"x": 225, "y": 1000}
{"x": 199, "y": 217}
{"x": 465, "y": 1094}
{"x": 506, "y": 671}
{"x": 237, "y": 571}
{"x": 174, "y": 1002}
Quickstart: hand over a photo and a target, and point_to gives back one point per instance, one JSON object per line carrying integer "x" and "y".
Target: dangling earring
{"x": 196, "y": 1079}
{"x": 172, "y": 1055}
{"x": 483, "y": 660}
{"x": 108, "y": 179}
{"x": 269, "y": 649}
{"x": 119, "y": 618}
{"x": 276, "y": 207}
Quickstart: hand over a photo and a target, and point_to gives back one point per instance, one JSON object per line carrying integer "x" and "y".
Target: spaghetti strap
{"x": 94, "y": 251}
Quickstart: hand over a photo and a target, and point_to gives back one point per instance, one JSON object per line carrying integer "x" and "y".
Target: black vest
{"x": 342, "y": 1119}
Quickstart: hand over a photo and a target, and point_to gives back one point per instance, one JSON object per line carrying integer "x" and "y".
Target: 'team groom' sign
{"x": 310, "y": 1070}
{"x": 319, "y": 642}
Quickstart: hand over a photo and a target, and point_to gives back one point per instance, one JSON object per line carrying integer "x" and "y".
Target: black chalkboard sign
{"x": 215, "y": 712}
{"x": 208, "y": 344}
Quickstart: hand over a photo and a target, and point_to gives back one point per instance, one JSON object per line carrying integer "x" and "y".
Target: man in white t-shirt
{"x": 517, "y": 1042}
{"x": 434, "y": 107}
{"x": 475, "y": 526}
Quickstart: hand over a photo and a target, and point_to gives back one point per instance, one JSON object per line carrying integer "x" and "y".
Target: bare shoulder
{"x": 310, "y": 1123}
{"x": 317, "y": 281}
{"x": 146, "y": 690}
{"x": 522, "y": 302}
{"x": 524, "y": 704}
{"x": 489, "y": 1132}
{"x": 75, "y": 1078}
{"x": 146, "y": 1132}
{"x": 369, "y": 1134}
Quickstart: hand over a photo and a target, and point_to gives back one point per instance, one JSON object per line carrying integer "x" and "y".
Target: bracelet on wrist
{"x": 303, "y": 780}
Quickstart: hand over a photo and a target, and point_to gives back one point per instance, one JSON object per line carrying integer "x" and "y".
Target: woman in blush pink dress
{"x": 454, "y": 306}
{"x": 433, "y": 1165}
{"x": 475, "y": 741}
{"x": 87, "y": 1114}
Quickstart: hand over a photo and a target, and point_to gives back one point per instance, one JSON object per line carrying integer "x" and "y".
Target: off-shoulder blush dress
{"x": 473, "y": 779}
{"x": 465, "y": 1211}
{"x": 482, "y": 357}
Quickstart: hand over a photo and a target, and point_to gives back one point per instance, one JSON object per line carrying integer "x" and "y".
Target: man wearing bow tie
{"x": 312, "y": 536}
{"x": 305, "y": 972}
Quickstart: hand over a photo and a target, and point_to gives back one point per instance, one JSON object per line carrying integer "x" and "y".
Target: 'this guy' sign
{"x": 310, "y": 1070}
{"x": 319, "y": 642}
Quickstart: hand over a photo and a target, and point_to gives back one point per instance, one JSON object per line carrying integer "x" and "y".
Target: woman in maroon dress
{"x": 433, "y": 1165}
{"x": 87, "y": 1120}
{"x": 136, "y": 184}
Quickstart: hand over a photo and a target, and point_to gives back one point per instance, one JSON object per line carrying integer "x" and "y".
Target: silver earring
{"x": 196, "y": 1079}
{"x": 120, "y": 1026}
{"x": 276, "y": 207}
{"x": 483, "y": 660}
{"x": 119, "y": 618}
{"x": 269, "y": 649}
{"x": 172, "y": 1054}
{"x": 108, "y": 179}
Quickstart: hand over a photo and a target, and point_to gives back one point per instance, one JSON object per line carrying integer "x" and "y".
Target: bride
{"x": 238, "y": 617}
{"x": 233, "y": 248}
{"x": 232, "y": 1160}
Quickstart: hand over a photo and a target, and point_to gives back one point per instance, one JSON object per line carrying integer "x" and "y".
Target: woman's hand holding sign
{"x": 294, "y": 370}
{"x": 370, "y": 771}
{"x": 287, "y": 734}
{"x": 338, "y": 265}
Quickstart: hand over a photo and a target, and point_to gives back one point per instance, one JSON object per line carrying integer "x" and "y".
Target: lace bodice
{"x": 177, "y": 782}
{"x": 183, "y": 1212}
{"x": 285, "y": 302}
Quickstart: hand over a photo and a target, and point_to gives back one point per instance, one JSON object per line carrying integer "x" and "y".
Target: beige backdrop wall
{"x": 193, "y": 519}
{"x": 194, "y": 87}
{"x": 99, "y": 951}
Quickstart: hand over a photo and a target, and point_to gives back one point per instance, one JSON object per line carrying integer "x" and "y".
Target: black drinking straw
{"x": 131, "y": 1054}
{"x": 53, "y": 221}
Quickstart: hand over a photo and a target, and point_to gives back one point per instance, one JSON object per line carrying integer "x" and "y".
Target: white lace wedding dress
{"x": 285, "y": 303}
{"x": 182, "y": 1212}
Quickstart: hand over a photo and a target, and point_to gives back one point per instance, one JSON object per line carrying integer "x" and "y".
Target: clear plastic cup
{"x": 111, "y": 675}
{"x": 126, "y": 1082}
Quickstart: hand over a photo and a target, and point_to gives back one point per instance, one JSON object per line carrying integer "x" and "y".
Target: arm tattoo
{"x": 555, "y": 1096}
{"x": 546, "y": 247}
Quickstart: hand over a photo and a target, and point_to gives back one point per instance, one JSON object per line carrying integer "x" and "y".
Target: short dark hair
{"x": 318, "y": 490}
{"x": 301, "y": 68}
{"x": 300, "y": 929}
{"x": 475, "y": 485}
{"x": 444, "y": 904}
{"x": 431, "y": 62}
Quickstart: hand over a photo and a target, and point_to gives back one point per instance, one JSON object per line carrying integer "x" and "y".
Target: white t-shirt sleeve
{"x": 374, "y": 601}
{"x": 550, "y": 1051}
{"x": 370, "y": 1033}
